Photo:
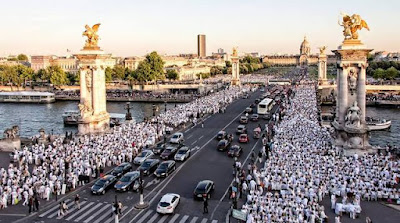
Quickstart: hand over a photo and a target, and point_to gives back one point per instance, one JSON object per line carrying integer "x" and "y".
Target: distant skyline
{"x": 135, "y": 27}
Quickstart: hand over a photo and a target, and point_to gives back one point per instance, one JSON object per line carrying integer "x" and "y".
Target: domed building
{"x": 303, "y": 59}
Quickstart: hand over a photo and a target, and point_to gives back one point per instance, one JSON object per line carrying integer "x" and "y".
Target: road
{"x": 205, "y": 163}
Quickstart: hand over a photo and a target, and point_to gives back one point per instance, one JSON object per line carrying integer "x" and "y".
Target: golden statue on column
{"x": 351, "y": 24}
{"x": 92, "y": 36}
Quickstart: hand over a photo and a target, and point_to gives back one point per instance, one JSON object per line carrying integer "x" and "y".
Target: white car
{"x": 177, "y": 138}
{"x": 168, "y": 203}
{"x": 145, "y": 154}
{"x": 182, "y": 154}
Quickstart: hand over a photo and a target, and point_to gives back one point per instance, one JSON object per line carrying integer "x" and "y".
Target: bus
{"x": 265, "y": 106}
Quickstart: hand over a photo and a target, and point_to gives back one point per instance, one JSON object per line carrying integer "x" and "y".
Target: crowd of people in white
{"x": 305, "y": 167}
{"x": 40, "y": 171}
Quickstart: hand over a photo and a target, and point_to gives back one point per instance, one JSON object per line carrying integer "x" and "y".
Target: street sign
{"x": 238, "y": 214}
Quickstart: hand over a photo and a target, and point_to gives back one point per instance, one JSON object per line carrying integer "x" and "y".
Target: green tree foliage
{"x": 143, "y": 72}
{"x": 156, "y": 66}
{"x": 118, "y": 72}
{"x": 391, "y": 73}
{"x": 108, "y": 72}
{"x": 379, "y": 73}
{"x": 73, "y": 78}
{"x": 172, "y": 74}
{"x": 203, "y": 75}
{"x": 56, "y": 75}
{"x": 216, "y": 70}
{"x": 228, "y": 64}
{"x": 22, "y": 57}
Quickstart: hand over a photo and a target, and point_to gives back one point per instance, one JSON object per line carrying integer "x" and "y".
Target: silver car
{"x": 145, "y": 154}
{"x": 177, "y": 138}
{"x": 182, "y": 154}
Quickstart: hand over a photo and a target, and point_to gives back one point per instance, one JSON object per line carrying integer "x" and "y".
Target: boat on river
{"x": 375, "y": 124}
{"x": 27, "y": 97}
{"x": 71, "y": 118}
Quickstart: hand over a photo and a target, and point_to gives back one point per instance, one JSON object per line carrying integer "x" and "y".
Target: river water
{"x": 31, "y": 117}
{"x": 384, "y": 137}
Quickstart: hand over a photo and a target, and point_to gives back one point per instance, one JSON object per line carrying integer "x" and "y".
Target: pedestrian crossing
{"x": 151, "y": 216}
{"x": 89, "y": 212}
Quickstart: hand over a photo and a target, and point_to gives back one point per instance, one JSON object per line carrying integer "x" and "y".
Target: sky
{"x": 137, "y": 27}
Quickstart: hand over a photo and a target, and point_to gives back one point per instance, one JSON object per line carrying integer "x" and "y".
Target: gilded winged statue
{"x": 351, "y": 24}
{"x": 91, "y": 34}
{"x": 322, "y": 50}
{"x": 234, "y": 52}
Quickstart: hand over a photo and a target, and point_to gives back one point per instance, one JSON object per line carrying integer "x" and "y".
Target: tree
{"x": 156, "y": 66}
{"x": 391, "y": 73}
{"x": 172, "y": 74}
{"x": 24, "y": 73}
{"x": 379, "y": 73}
{"x": 215, "y": 70}
{"x": 41, "y": 75}
{"x": 143, "y": 71}
{"x": 57, "y": 75}
{"x": 73, "y": 78}
{"x": 203, "y": 75}
{"x": 108, "y": 72}
{"x": 22, "y": 57}
{"x": 118, "y": 72}
{"x": 228, "y": 63}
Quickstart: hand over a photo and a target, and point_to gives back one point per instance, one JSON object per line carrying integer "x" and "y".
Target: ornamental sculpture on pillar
{"x": 350, "y": 126}
{"x": 92, "y": 63}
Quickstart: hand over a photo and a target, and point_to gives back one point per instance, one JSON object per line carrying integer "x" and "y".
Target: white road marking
{"x": 204, "y": 220}
{"x": 174, "y": 218}
{"x": 183, "y": 220}
{"x": 72, "y": 209}
{"x": 88, "y": 212}
{"x": 194, "y": 142}
{"x": 155, "y": 215}
{"x": 163, "y": 219}
{"x": 189, "y": 136}
{"x": 97, "y": 213}
{"x": 194, "y": 220}
{"x": 50, "y": 210}
{"x": 78, "y": 212}
{"x": 214, "y": 221}
{"x": 201, "y": 137}
{"x": 110, "y": 219}
{"x": 106, "y": 213}
{"x": 155, "y": 181}
{"x": 145, "y": 216}
{"x": 56, "y": 213}
{"x": 23, "y": 215}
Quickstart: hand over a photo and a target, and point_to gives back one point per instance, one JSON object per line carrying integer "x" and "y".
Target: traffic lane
{"x": 210, "y": 164}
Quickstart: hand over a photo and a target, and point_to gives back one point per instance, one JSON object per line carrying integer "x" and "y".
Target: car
{"x": 121, "y": 169}
{"x": 221, "y": 135}
{"x": 257, "y": 101}
{"x": 235, "y": 151}
{"x": 243, "y": 120}
{"x": 253, "y": 105}
{"x": 223, "y": 145}
{"x": 262, "y": 89}
{"x": 177, "y": 138}
{"x": 169, "y": 152}
{"x": 267, "y": 116}
{"x": 254, "y": 117}
{"x": 203, "y": 189}
{"x": 241, "y": 129}
{"x": 128, "y": 181}
{"x": 182, "y": 154}
{"x": 159, "y": 148}
{"x": 168, "y": 203}
{"x": 148, "y": 166}
{"x": 245, "y": 96}
{"x": 248, "y": 110}
{"x": 103, "y": 184}
{"x": 244, "y": 138}
{"x": 165, "y": 168}
{"x": 145, "y": 154}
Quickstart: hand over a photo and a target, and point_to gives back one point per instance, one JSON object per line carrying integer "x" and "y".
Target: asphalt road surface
{"x": 206, "y": 162}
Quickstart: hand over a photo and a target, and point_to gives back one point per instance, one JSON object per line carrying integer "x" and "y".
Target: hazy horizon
{"x": 135, "y": 28}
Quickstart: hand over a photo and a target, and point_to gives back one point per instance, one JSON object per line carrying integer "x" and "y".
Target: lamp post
{"x": 116, "y": 206}
{"x": 154, "y": 110}
{"x": 142, "y": 204}
{"x": 128, "y": 115}
{"x": 165, "y": 106}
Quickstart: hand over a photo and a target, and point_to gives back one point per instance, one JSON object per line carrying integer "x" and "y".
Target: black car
{"x": 241, "y": 129}
{"x": 257, "y": 101}
{"x": 103, "y": 184}
{"x": 243, "y": 120}
{"x": 204, "y": 189}
{"x": 159, "y": 148}
{"x": 267, "y": 116}
{"x": 223, "y": 145}
{"x": 128, "y": 181}
{"x": 121, "y": 169}
{"x": 165, "y": 168}
{"x": 235, "y": 151}
{"x": 221, "y": 135}
{"x": 254, "y": 117}
{"x": 148, "y": 166}
{"x": 169, "y": 152}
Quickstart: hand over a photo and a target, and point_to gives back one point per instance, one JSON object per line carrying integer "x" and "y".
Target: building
{"x": 387, "y": 56}
{"x": 40, "y": 62}
{"x": 201, "y": 46}
{"x": 68, "y": 64}
{"x": 189, "y": 73}
{"x": 303, "y": 59}
{"x": 132, "y": 63}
